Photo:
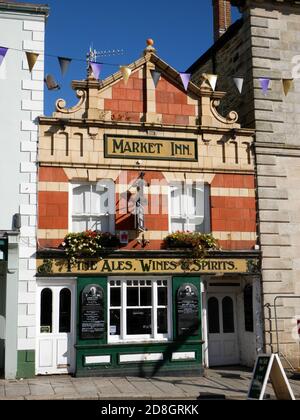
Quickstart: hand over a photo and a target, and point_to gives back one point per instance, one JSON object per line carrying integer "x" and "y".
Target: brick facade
{"x": 76, "y": 154}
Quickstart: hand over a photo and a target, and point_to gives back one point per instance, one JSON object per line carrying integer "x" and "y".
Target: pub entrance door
{"x": 55, "y": 327}
{"x": 222, "y": 330}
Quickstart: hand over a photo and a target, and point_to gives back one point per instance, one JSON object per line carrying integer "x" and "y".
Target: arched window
{"x": 248, "y": 308}
{"x": 228, "y": 315}
{"x": 213, "y": 316}
{"x": 65, "y": 311}
{"x": 46, "y": 311}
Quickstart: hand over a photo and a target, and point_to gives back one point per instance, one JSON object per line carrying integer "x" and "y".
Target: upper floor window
{"x": 190, "y": 207}
{"x": 93, "y": 207}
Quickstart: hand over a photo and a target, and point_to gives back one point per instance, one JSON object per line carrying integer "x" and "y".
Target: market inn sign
{"x": 150, "y": 148}
{"x": 145, "y": 266}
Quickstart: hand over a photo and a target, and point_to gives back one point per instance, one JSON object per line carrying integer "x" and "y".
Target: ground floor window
{"x": 139, "y": 309}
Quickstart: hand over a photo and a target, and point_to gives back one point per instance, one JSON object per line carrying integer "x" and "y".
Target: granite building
{"x": 264, "y": 43}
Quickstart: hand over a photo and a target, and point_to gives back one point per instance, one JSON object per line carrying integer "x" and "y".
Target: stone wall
{"x": 270, "y": 39}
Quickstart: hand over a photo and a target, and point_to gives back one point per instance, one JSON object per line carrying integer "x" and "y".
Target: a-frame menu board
{"x": 269, "y": 367}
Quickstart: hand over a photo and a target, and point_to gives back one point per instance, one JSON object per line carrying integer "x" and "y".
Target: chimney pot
{"x": 222, "y": 17}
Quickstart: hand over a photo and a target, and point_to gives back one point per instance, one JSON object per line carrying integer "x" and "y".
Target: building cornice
{"x": 72, "y": 122}
{"x": 38, "y": 9}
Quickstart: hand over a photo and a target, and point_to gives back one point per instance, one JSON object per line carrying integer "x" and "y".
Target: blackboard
{"x": 187, "y": 310}
{"x": 260, "y": 377}
{"x": 269, "y": 367}
{"x": 92, "y": 324}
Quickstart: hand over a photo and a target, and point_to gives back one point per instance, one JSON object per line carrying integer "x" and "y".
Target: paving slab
{"x": 41, "y": 389}
{"x": 167, "y": 387}
{"x": 146, "y": 387}
{"x": 86, "y": 388}
{"x": 124, "y": 386}
{"x": 16, "y": 390}
{"x": 106, "y": 387}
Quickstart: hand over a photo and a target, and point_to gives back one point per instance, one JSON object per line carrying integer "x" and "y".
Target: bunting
{"x": 264, "y": 84}
{"x": 3, "y": 52}
{"x": 156, "y": 75}
{"x": 96, "y": 69}
{"x": 185, "y": 78}
{"x": 239, "y": 83}
{"x": 64, "y": 64}
{"x": 31, "y": 59}
{"x": 287, "y": 85}
{"x": 126, "y": 73}
{"x": 51, "y": 83}
{"x": 212, "y": 80}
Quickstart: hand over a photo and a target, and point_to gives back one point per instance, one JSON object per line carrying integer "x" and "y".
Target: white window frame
{"x": 112, "y": 204}
{"x": 206, "y": 207}
{"x": 123, "y": 337}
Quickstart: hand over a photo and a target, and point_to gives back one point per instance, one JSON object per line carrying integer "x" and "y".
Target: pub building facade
{"x": 139, "y": 159}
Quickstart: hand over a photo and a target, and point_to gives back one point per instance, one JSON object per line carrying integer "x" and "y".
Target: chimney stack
{"x": 222, "y": 17}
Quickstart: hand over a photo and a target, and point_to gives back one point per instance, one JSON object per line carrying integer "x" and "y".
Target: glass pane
{"x": 115, "y": 322}
{"x": 162, "y": 321}
{"x": 196, "y": 224}
{"x": 46, "y": 311}
{"x": 99, "y": 200}
{"x": 79, "y": 199}
{"x": 248, "y": 308}
{"x": 132, "y": 296}
{"x": 213, "y": 316}
{"x": 65, "y": 311}
{"x": 162, "y": 296}
{"x": 99, "y": 223}
{"x": 178, "y": 225}
{"x": 115, "y": 296}
{"x": 176, "y": 194}
{"x": 146, "y": 296}
{"x": 228, "y": 315}
{"x": 80, "y": 224}
{"x": 139, "y": 321}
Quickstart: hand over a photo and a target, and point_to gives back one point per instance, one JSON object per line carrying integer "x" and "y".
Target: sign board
{"x": 269, "y": 367}
{"x": 147, "y": 148}
{"x": 124, "y": 237}
{"x": 187, "y": 310}
{"x": 143, "y": 266}
{"x": 92, "y": 325}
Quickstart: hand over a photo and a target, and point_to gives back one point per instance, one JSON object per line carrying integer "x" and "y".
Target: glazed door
{"x": 55, "y": 328}
{"x": 222, "y": 330}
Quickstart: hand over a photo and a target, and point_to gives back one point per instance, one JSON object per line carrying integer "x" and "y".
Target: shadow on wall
{"x": 172, "y": 348}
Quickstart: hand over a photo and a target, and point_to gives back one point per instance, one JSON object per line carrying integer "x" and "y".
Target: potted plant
{"x": 88, "y": 244}
{"x": 198, "y": 243}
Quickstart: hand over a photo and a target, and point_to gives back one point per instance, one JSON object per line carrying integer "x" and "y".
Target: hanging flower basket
{"x": 198, "y": 243}
{"x": 88, "y": 244}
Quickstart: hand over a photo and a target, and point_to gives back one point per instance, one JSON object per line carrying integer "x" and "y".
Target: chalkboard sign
{"x": 260, "y": 377}
{"x": 92, "y": 325}
{"x": 187, "y": 310}
{"x": 269, "y": 367}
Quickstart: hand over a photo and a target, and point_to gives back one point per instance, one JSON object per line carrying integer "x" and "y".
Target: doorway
{"x": 223, "y": 346}
{"x": 55, "y": 327}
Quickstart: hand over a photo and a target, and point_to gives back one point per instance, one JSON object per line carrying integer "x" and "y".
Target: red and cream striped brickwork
{"x": 233, "y": 214}
{"x": 71, "y": 149}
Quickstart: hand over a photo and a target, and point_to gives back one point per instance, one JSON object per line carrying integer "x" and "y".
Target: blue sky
{"x": 182, "y": 31}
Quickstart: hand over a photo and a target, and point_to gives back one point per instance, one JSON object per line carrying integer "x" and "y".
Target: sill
{"x": 139, "y": 341}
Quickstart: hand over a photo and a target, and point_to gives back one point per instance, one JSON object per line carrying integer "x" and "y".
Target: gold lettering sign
{"x": 150, "y": 148}
{"x": 142, "y": 266}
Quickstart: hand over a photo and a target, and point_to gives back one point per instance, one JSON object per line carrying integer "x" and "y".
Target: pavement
{"x": 222, "y": 383}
